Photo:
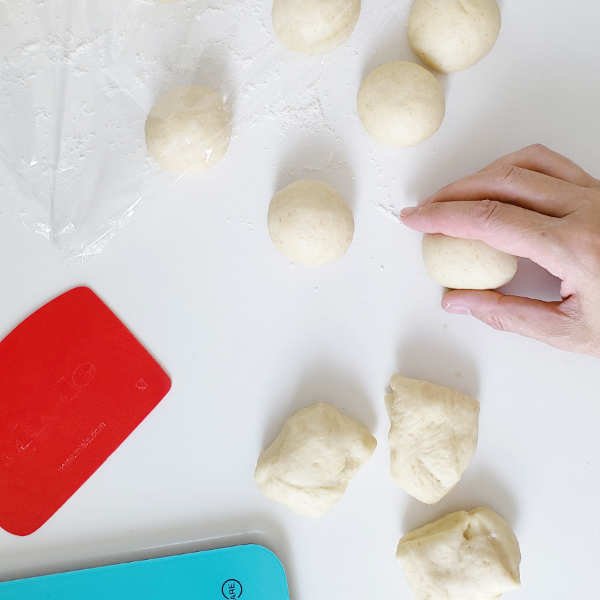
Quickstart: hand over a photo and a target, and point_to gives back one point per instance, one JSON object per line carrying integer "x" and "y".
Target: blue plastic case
{"x": 248, "y": 572}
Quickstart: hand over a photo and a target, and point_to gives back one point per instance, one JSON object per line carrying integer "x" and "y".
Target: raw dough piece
{"x": 401, "y": 103}
{"x": 310, "y": 223}
{"x": 188, "y": 129}
{"x": 314, "y": 26}
{"x": 462, "y": 556}
{"x": 450, "y": 35}
{"x": 312, "y": 460}
{"x": 466, "y": 264}
{"x": 433, "y": 436}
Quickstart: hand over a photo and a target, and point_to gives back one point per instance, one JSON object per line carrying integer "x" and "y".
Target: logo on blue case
{"x": 232, "y": 589}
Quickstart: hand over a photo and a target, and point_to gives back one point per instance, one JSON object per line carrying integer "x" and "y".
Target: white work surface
{"x": 247, "y": 337}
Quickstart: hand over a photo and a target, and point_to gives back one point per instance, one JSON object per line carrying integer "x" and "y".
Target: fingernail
{"x": 456, "y": 309}
{"x": 406, "y": 212}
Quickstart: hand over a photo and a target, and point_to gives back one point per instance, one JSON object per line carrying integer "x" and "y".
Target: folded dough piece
{"x": 433, "y": 436}
{"x": 462, "y": 556}
{"x": 312, "y": 460}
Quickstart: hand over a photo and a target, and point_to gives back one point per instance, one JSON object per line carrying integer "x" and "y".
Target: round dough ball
{"x": 462, "y": 264}
{"x": 311, "y": 462}
{"x": 314, "y": 26}
{"x": 188, "y": 129}
{"x": 451, "y": 35}
{"x": 401, "y": 103}
{"x": 462, "y": 556}
{"x": 310, "y": 223}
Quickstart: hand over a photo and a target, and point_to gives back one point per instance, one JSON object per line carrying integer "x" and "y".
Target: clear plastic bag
{"x": 69, "y": 140}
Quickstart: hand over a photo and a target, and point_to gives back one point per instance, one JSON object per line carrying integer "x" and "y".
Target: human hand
{"x": 539, "y": 205}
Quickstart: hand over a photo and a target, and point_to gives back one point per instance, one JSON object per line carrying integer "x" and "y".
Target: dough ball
{"x": 433, "y": 436}
{"x": 401, "y": 104}
{"x": 312, "y": 460}
{"x": 451, "y": 35}
{"x": 188, "y": 129}
{"x": 310, "y": 223}
{"x": 314, "y": 26}
{"x": 462, "y": 556}
{"x": 462, "y": 264}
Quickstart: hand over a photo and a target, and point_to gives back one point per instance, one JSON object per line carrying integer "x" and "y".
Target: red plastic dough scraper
{"x": 74, "y": 383}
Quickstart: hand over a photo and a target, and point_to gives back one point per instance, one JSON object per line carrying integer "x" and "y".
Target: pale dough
{"x": 314, "y": 26}
{"x": 433, "y": 436}
{"x": 462, "y": 556}
{"x": 310, "y": 223}
{"x": 312, "y": 460}
{"x": 401, "y": 104}
{"x": 458, "y": 263}
{"x": 450, "y": 35}
{"x": 188, "y": 129}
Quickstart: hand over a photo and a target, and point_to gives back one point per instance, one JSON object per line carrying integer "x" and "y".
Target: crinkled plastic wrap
{"x": 77, "y": 81}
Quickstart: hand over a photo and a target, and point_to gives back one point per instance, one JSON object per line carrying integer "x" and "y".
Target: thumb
{"x": 544, "y": 321}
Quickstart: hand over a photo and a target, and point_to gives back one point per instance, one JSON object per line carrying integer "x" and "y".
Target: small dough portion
{"x": 401, "y": 104}
{"x": 461, "y": 264}
{"x": 451, "y": 35}
{"x": 463, "y": 556}
{"x": 312, "y": 460}
{"x": 433, "y": 436}
{"x": 188, "y": 129}
{"x": 310, "y": 223}
{"x": 314, "y": 26}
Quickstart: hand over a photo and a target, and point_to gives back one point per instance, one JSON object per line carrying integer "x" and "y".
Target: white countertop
{"x": 247, "y": 337}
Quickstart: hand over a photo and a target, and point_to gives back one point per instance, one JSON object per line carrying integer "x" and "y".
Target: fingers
{"x": 544, "y": 321}
{"x": 506, "y": 227}
{"x": 516, "y": 185}
{"x": 538, "y": 157}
